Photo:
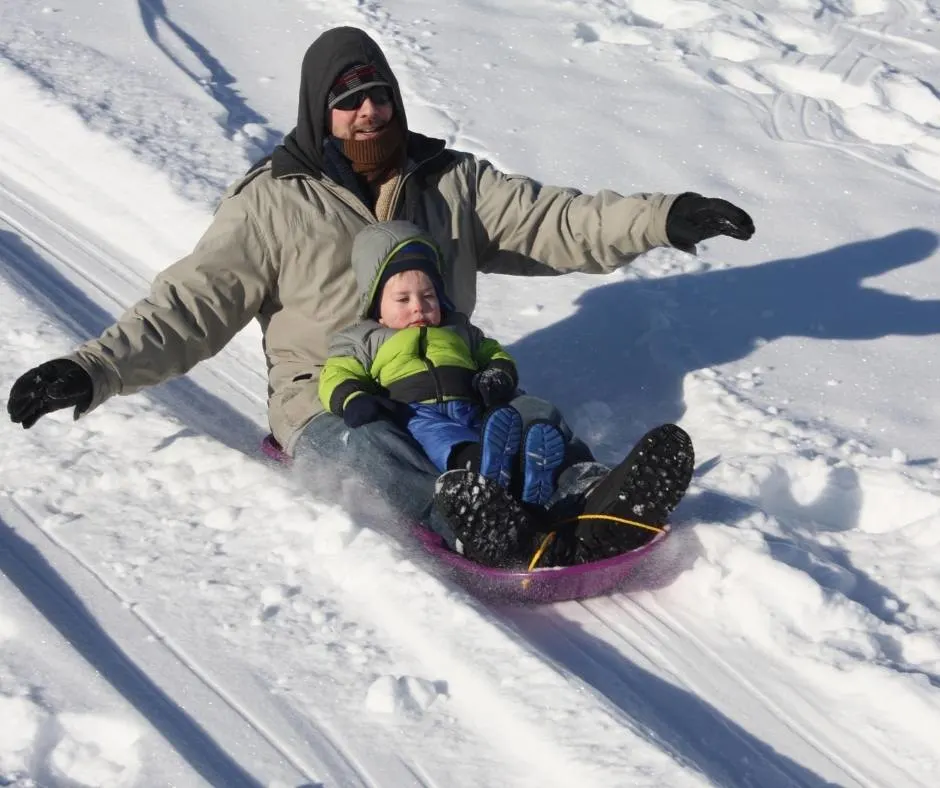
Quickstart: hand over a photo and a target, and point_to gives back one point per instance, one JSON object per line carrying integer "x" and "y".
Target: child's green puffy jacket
{"x": 418, "y": 364}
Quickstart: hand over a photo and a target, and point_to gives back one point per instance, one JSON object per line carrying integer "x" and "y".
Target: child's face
{"x": 409, "y": 299}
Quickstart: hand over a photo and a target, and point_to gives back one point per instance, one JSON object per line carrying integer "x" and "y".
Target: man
{"x": 278, "y": 251}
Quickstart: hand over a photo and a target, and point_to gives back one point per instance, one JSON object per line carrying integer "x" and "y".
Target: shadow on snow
{"x": 219, "y": 83}
{"x": 698, "y": 735}
{"x": 66, "y": 304}
{"x": 630, "y": 344}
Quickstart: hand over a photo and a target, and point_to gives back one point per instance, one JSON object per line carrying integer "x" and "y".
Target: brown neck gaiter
{"x": 375, "y": 159}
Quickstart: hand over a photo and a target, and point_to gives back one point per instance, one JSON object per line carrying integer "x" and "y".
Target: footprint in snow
{"x": 95, "y": 750}
{"x": 671, "y": 14}
{"x": 272, "y": 600}
{"x": 403, "y": 696}
{"x": 87, "y": 749}
{"x": 586, "y": 34}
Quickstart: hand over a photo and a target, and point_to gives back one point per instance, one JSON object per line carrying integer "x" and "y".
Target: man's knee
{"x": 537, "y": 409}
{"x": 330, "y": 435}
{"x": 387, "y": 448}
{"x": 384, "y": 456}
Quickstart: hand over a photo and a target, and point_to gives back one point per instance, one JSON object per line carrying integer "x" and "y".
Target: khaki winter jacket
{"x": 278, "y": 251}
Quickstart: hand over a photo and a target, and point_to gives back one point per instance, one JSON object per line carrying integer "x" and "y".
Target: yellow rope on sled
{"x": 547, "y": 541}
{"x": 622, "y": 520}
{"x": 541, "y": 551}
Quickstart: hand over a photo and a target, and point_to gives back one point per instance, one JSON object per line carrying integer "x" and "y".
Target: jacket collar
{"x": 285, "y": 164}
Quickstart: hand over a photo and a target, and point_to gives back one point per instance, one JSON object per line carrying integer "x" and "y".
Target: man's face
{"x": 368, "y": 120}
{"x": 409, "y": 299}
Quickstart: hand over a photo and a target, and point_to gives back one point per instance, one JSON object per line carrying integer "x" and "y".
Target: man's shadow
{"x": 630, "y": 344}
{"x": 38, "y": 280}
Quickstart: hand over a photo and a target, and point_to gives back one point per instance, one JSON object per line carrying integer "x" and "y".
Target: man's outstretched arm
{"x": 571, "y": 231}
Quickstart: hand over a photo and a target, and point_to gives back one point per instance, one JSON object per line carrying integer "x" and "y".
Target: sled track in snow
{"x": 24, "y": 550}
{"x": 663, "y": 668}
{"x": 658, "y": 618}
{"x": 83, "y": 285}
{"x": 658, "y": 675}
{"x": 655, "y": 633}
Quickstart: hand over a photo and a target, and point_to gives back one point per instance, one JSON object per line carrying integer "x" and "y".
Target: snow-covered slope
{"x": 174, "y": 611}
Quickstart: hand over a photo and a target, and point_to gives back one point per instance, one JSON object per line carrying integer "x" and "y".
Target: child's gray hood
{"x": 374, "y": 246}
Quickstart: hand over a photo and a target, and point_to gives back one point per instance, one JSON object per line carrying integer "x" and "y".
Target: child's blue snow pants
{"x": 438, "y": 427}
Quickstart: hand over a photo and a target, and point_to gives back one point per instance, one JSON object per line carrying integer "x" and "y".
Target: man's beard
{"x": 375, "y": 157}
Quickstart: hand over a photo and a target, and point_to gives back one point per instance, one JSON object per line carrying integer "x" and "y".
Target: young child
{"x": 415, "y": 359}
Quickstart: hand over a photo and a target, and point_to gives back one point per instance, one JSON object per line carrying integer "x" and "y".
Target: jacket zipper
{"x": 350, "y": 200}
{"x": 393, "y": 209}
{"x": 432, "y": 370}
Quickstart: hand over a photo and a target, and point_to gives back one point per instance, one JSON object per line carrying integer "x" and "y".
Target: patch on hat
{"x": 354, "y": 79}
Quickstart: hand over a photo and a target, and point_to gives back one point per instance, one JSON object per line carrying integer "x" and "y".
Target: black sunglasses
{"x": 379, "y": 95}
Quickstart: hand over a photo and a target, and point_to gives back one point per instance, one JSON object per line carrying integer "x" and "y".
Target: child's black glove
{"x": 361, "y": 410}
{"x": 494, "y": 386}
{"x": 51, "y": 386}
{"x": 693, "y": 218}
{"x": 367, "y": 408}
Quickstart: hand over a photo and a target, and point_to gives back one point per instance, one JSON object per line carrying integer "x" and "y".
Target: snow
{"x": 175, "y": 611}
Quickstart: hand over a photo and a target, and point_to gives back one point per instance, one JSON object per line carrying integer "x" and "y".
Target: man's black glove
{"x": 494, "y": 386}
{"x": 366, "y": 408}
{"x": 57, "y": 384}
{"x": 693, "y": 218}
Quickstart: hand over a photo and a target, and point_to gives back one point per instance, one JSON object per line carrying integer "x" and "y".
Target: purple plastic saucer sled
{"x": 273, "y": 451}
{"x": 551, "y": 584}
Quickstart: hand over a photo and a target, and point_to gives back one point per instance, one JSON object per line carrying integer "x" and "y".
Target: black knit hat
{"x": 359, "y": 77}
{"x": 413, "y": 256}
